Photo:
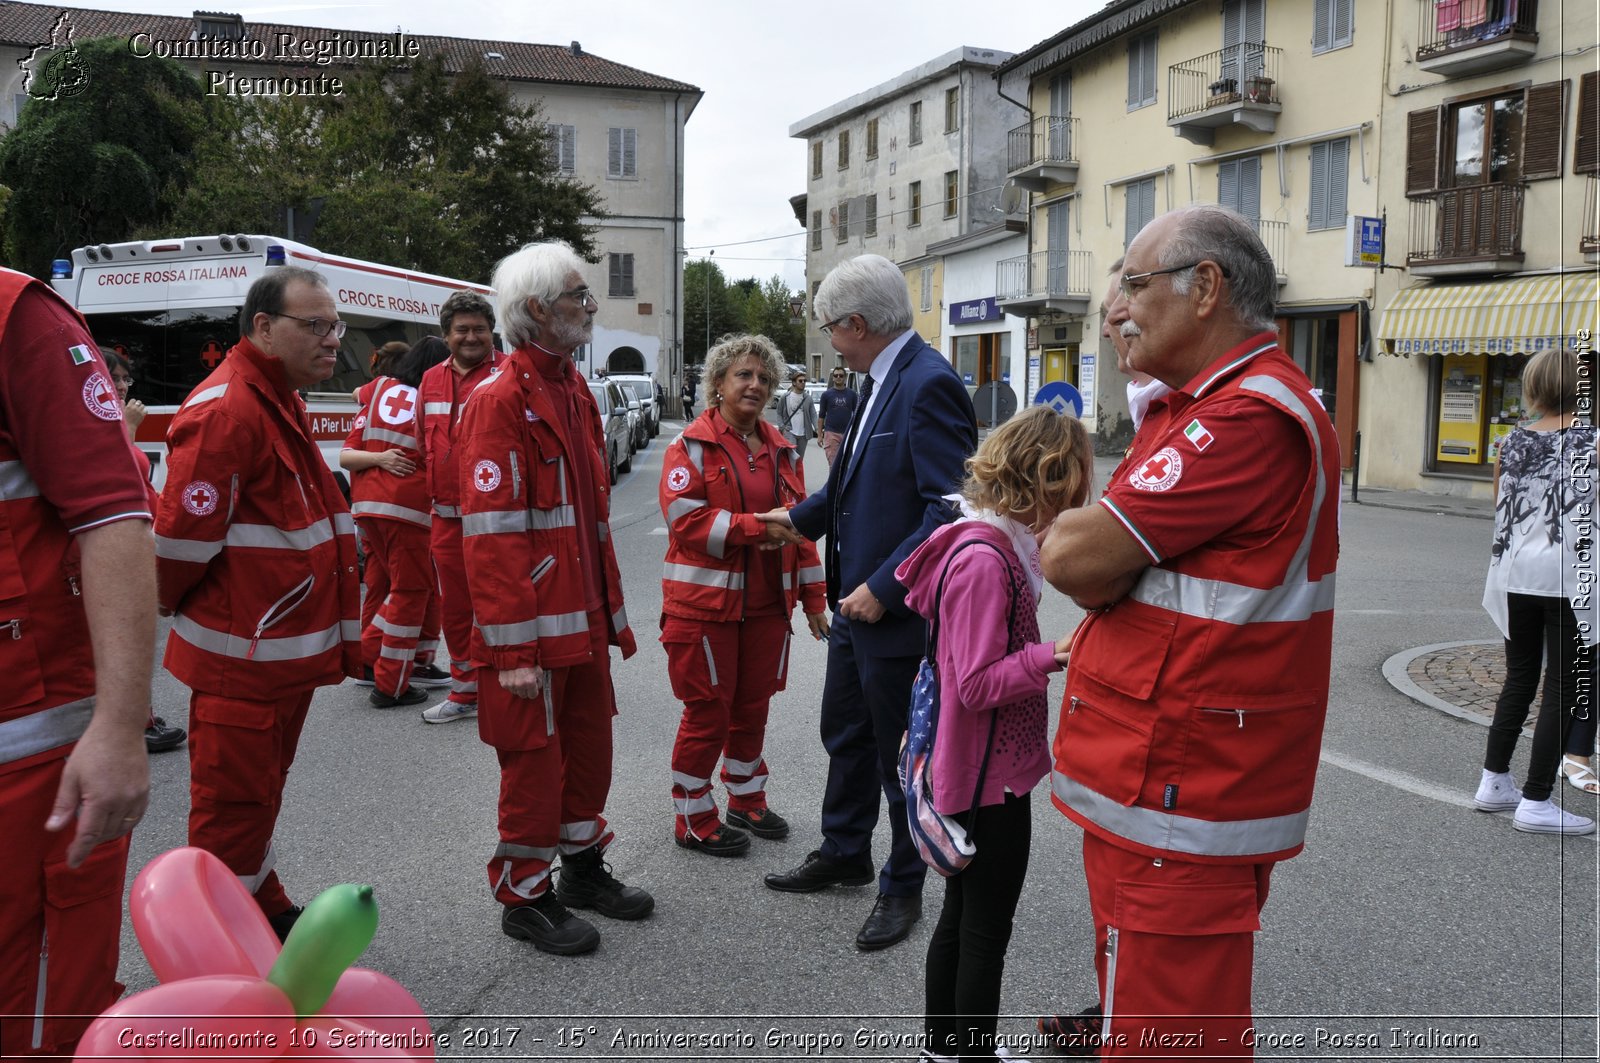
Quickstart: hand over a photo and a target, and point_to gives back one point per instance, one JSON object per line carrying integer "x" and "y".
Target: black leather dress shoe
{"x": 889, "y": 923}
{"x": 818, "y": 872}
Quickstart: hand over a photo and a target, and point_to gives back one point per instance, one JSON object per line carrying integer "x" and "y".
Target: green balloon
{"x": 330, "y": 935}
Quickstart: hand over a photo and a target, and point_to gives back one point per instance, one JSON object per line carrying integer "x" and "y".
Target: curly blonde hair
{"x": 730, "y": 349}
{"x": 1039, "y": 460}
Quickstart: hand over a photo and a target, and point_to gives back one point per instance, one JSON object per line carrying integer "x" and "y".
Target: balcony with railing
{"x": 1044, "y": 281}
{"x": 1275, "y": 236}
{"x": 1043, "y": 152}
{"x": 1237, "y": 85}
{"x": 1464, "y": 230}
{"x": 1458, "y": 37}
{"x": 1589, "y": 241}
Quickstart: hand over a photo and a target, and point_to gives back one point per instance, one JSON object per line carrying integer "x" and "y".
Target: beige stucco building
{"x": 1493, "y": 121}
{"x": 1270, "y": 108}
{"x": 615, "y": 127}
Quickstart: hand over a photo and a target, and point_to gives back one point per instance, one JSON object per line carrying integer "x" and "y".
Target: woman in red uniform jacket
{"x": 728, "y": 593}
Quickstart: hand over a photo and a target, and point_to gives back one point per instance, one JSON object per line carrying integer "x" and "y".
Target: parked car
{"x": 638, "y": 428}
{"x": 645, "y": 388}
{"x": 614, "y": 415}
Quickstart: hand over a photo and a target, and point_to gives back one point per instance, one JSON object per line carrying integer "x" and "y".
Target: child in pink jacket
{"x": 992, "y": 667}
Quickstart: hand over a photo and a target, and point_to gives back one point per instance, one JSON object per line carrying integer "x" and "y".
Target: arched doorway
{"x": 625, "y": 360}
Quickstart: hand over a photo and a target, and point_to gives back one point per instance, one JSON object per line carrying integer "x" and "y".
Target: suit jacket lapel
{"x": 881, "y": 395}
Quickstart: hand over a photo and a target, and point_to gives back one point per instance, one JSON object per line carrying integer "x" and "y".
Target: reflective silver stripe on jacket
{"x": 694, "y": 450}
{"x": 679, "y": 508}
{"x": 436, "y": 409}
{"x": 288, "y": 648}
{"x": 501, "y": 522}
{"x": 812, "y": 574}
{"x": 453, "y": 512}
{"x": 205, "y": 396}
{"x": 619, "y": 620}
{"x": 50, "y": 728}
{"x": 396, "y": 630}
{"x": 703, "y": 577}
{"x": 1296, "y": 598}
{"x": 16, "y": 481}
{"x": 389, "y": 509}
{"x": 270, "y": 537}
{"x": 548, "y": 626}
{"x": 384, "y": 435}
{"x": 717, "y": 538}
{"x": 1182, "y": 834}
{"x": 198, "y": 551}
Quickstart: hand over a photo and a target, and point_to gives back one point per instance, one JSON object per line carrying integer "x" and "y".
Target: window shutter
{"x": 1541, "y": 132}
{"x": 1321, "y": 25}
{"x": 1135, "y": 82}
{"x": 614, "y": 152}
{"x": 1228, "y": 184}
{"x": 1344, "y": 21}
{"x": 1317, "y": 216}
{"x": 872, "y": 215}
{"x": 1250, "y": 188}
{"x": 630, "y": 152}
{"x": 1338, "y": 181}
{"x": 1422, "y": 151}
{"x": 1586, "y": 155}
{"x": 1130, "y": 219}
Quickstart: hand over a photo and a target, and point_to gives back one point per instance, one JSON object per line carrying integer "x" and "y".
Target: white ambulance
{"x": 171, "y": 307}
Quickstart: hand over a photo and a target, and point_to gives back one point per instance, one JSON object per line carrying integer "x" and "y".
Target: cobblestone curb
{"x": 1460, "y": 679}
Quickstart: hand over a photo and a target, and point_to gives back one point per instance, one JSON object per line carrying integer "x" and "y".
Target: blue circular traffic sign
{"x": 1060, "y": 396}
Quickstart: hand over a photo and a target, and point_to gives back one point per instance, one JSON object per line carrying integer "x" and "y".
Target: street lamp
{"x": 708, "y": 306}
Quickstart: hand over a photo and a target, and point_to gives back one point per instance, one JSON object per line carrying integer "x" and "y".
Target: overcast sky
{"x": 758, "y": 72}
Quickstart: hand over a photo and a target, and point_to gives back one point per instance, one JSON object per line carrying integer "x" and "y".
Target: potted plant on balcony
{"x": 1258, "y": 89}
{"x": 1223, "y": 86}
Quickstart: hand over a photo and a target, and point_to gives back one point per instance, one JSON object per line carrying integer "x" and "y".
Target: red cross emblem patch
{"x": 101, "y": 398}
{"x": 398, "y": 405}
{"x": 486, "y": 476}
{"x": 1159, "y": 472}
{"x": 200, "y": 498}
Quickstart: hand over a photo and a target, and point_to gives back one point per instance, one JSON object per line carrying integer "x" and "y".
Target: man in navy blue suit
{"x": 912, "y": 432}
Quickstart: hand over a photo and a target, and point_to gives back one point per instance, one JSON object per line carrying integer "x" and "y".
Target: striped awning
{"x": 1519, "y": 315}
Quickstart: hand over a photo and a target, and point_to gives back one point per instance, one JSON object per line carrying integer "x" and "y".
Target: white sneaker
{"x": 1547, "y": 817}
{"x": 449, "y": 712}
{"x": 1497, "y": 792}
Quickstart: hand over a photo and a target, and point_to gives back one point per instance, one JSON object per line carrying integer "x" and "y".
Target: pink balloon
{"x": 324, "y": 1036}
{"x": 378, "y": 1001}
{"x": 240, "y": 1017}
{"x": 194, "y": 917}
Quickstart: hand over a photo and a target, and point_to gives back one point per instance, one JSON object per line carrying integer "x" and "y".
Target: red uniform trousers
{"x": 555, "y": 768}
{"x": 389, "y": 642}
{"x": 55, "y": 922}
{"x": 455, "y": 606}
{"x": 375, "y": 584}
{"x": 239, "y": 757}
{"x": 725, "y": 674}
{"x": 1175, "y": 951}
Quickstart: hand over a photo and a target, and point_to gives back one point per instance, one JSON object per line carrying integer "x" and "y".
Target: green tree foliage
{"x": 422, "y": 168}
{"x": 92, "y": 167}
{"x": 746, "y": 305}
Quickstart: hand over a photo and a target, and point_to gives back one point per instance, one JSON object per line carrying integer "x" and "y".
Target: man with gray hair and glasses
{"x": 547, "y": 606}
{"x": 904, "y": 452}
{"x": 1195, "y": 698}
{"x": 256, "y": 561}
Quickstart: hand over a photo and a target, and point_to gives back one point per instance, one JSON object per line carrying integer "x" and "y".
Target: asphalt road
{"x": 1407, "y": 911}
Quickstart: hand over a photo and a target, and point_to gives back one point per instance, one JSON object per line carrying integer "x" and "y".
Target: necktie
{"x": 855, "y": 423}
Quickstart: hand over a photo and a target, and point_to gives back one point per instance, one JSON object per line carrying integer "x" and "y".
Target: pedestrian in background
{"x": 257, "y": 562}
{"x": 686, "y": 393}
{"x": 1187, "y": 742}
{"x": 797, "y": 415}
{"x": 835, "y": 407}
{"x": 885, "y": 495}
{"x": 726, "y": 601}
{"x": 1543, "y": 539}
{"x": 983, "y": 601}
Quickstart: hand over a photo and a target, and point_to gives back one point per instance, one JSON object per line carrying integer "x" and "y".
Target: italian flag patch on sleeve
{"x": 81, "y": 355}
{"x": 1196, "y": 433}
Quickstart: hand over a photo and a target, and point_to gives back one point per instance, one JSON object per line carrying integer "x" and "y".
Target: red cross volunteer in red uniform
{"x": 390, "y": 502}
{"x": 1190, "y": 730}
{"x": 547, "y": 604}
{"x": 257, "y": 560}
{"x": 77, "y": 607}
{"x": 467, "y": 321}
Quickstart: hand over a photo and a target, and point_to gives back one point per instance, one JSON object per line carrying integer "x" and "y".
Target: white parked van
{"x": 171, "y": 307}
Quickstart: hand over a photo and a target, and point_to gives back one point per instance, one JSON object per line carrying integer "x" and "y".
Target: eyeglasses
{"x": 583, "y": 295}
{"x": 122, "y": 381}
{"x": 827, "y": 330}
{"x": 319, "y": 327}
{"x": 1129, "y": 289}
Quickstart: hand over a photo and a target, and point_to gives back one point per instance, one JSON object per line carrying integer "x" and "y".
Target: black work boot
{"x": 587, "y": 882}
{"x": 547, "y": 923}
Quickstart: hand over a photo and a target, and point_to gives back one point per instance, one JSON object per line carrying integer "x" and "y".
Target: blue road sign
{"x": 1060, "y": 395}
